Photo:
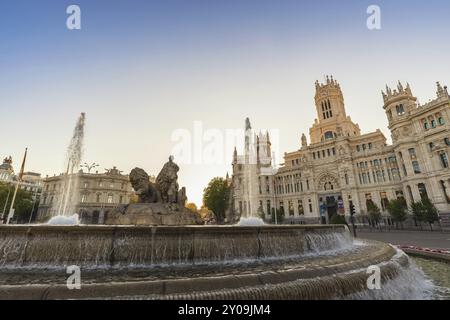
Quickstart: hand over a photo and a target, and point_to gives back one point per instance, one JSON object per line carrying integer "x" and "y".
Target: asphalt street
{"x": 425, "y": 239}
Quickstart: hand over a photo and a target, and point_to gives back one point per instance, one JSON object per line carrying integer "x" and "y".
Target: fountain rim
{"x": 92, "y": 227}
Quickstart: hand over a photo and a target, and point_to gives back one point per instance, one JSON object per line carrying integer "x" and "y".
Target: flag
{"x": 22, "y": 168}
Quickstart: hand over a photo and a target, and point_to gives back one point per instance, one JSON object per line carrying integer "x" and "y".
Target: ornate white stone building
{"x": 342, "y": 167}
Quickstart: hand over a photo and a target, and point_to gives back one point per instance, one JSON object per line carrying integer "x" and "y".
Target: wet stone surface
{"x": 314, "y": 263}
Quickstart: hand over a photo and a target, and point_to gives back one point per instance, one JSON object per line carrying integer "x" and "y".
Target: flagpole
{"x": 11, "y": 209}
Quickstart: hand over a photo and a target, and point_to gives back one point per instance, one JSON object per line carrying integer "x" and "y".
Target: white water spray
{"x": 65, "y": 205}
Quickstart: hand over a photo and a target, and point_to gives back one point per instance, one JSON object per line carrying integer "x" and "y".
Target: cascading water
{"x": 65, "y": 206}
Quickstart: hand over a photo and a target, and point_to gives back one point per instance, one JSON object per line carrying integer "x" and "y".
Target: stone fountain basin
{"x": 267, "y": 262}
{"x": 103, "y": 246}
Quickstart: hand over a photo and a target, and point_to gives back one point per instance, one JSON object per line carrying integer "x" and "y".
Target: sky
{"x": 144, "y": 71}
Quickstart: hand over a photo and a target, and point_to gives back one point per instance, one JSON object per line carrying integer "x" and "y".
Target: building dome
{"x": 7, "y": 164}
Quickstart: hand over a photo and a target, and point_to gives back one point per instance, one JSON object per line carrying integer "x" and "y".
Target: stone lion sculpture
{"x": 145, "y": 190}
{"x": 164, "y": 190}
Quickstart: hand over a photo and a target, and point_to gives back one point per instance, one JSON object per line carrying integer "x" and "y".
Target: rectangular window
{"x": 300, "y": 208}
{"x": 444, "y": 159}
{"x": 416, "y": 167}
{"x": 291, "y": 207}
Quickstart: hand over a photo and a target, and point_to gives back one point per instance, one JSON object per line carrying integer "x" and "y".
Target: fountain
{"x": 65, "y": 206}
{"x": 201, "y": 262}
{"x": 153, "y": 250}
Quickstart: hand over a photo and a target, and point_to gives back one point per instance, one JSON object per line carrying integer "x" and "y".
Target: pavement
{"x": 424, "y": 239}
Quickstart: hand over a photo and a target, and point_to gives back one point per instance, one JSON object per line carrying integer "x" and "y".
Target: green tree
{"x": 216, "y": 196}
{"x": 417, "y": 211}
{"x": 23, "y": 204}
{"x": 430, "y": 213}
{"x": 397, "y": 208}
{"x": 374, "y": 212}
{"x": 337, "y": 219}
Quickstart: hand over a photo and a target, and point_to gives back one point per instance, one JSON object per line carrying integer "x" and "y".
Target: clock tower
{"x": 332, "y": 121}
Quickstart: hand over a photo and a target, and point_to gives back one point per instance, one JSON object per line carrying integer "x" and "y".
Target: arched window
{"x": 329, "y": 135}
{"x": 328, "y": 186}
{"x": 447, "y": 141}
{"x": 422, "y": 191}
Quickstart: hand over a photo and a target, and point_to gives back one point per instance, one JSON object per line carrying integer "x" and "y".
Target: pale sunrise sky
{"x": 143, "y": 69}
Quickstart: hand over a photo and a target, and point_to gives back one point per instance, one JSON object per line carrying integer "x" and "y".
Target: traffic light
{"x": 352, "y": 209}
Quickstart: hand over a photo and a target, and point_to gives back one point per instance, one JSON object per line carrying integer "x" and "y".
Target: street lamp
{"x": 89, "y": 167}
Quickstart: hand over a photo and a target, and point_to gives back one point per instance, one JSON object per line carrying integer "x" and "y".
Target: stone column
{"x": 447, "y": 189}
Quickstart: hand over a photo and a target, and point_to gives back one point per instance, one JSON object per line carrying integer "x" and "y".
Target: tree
{"x": 22, "y": 206}
{"x": 337, "y": 219}
{"x": 430, "y": 213}
{"x": 417, "y": 211}
{"x": 374, "y": 212}
{"x": 397, "y": 208}
{"x": 216, "y": 196}
{"x": 191, "y": 206}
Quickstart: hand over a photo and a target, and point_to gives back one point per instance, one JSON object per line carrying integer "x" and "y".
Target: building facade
{"x": 31, "y": 181}
{"x": 6, "y": 170}
{"x": 95, "y": 195}
{"x": 341, "y": 167}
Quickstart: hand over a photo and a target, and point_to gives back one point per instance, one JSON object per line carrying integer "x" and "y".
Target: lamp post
{"x": 19, "y": 180}
{"x": 89, "y": 167}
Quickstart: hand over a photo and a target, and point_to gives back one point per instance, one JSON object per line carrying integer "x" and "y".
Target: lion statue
{"x": 145, "y": 190}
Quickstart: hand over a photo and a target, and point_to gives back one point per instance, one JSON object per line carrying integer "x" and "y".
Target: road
{"x": 425, "y": 239}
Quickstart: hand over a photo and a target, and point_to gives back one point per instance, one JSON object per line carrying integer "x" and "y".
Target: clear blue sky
{"x": 142, "y": 69}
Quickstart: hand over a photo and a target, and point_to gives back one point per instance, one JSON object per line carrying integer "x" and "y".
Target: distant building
{"x": 6, "y": 170}
{"x": 342, "y": 167}
{"x": 31, "y": 181}
{"x": 95, "y": 195}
